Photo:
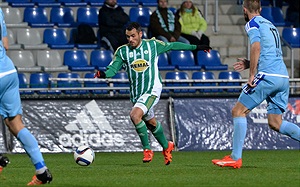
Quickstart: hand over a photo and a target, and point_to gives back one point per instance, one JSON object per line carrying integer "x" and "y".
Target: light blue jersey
{"x": 270, "y": 60}
{"x": 272, "y": 75}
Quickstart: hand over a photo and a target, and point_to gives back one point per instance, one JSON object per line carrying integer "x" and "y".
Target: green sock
{"x": 158, "y": 133}
{"x": 141, "y": 129}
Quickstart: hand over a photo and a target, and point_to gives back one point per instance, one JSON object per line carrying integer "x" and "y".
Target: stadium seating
{"x": 20, "y": 3}
{"x": 41, "y": 80}
{"x": 30, "y": 39}
{"x": 37, "y": 17}
{"x": 74, "y": 34}
{"x": 72, "y": 3}
{"x": 70, "y": 83}
{"x": 140, "y": 15}
{"x": 206, "y": 75}
{"x": 128, "y": 3}
{"x": 77, "y": 60}
{"x": 24, "y": 60}
{"x": 57, "y": 38}
{"x": 122, "y": 76}
{"x": 50, "y": 61}
{"x": 100, "y": 59}
{"x": 88, "y": 15}
{"x": 291, "y": 36}
{"x": 177, "y": 76}
{"x": 24, "y": 83}
{"x": 274, "y": 15}
{"x": 230, "y": 75}
{"x": 13, "y": 17}
{"x": 183, "y": 60}
{"x": 46, "y": 3}
{"x": 210, "y": 61}
{"x": 62, "y": 17}
{"x": 95, "y": 84}
{"x": 12, "y": 41}
{"x": 163, "y": 62}
{"x": 147, "y": 2}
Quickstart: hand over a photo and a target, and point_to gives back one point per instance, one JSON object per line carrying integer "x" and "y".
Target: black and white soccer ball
{"x": 84, "y": 155}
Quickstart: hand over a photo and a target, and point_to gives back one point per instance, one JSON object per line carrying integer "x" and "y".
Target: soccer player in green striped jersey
{"x": 140, "y": 57}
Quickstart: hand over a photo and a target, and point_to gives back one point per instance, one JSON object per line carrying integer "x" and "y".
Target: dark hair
{"x": 134, "y": 25}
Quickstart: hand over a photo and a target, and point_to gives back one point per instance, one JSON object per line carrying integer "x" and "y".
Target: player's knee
{"x": 135, "y": 117}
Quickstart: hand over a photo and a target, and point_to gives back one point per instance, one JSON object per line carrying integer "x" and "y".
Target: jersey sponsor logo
{"x": 139, "y": 65}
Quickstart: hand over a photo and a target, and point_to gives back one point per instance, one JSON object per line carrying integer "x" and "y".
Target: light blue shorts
{"x": 10, "y": 104}
{"x": 275, "y": 90}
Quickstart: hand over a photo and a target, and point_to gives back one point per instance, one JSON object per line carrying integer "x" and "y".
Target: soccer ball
{"x": 84, "y": 155}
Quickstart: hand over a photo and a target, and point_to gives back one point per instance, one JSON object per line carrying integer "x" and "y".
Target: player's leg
{"x": 136, "y": 115}
{"x": 12, "y": 111}
{"x": 157, "y": 130}
{"x": 276, "y": 107}
{"x": 246, "y": 102}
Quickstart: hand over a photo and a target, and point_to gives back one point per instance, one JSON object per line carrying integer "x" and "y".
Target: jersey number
{"x": 276, "y": 36}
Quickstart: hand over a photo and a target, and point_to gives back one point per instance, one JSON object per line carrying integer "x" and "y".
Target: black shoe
{"x": 39, "y": 179}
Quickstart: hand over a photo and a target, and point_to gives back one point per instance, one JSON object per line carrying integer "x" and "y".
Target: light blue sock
{"x": 239, "y": 134}
{"x": 290, "y": 129}
{"x": 31, "y": 147}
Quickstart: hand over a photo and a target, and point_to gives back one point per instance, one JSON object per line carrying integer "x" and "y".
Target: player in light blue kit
{"x": 11, "y": 110}
{"x": 268, "y": 80}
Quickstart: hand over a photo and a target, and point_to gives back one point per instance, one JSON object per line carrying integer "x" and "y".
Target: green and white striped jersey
{"x": 141, "y": 65}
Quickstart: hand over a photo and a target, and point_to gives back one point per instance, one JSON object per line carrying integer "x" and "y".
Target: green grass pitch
{"x": 260, "y": 168}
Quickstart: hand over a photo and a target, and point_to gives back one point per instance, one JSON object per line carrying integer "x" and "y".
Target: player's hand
{"x": 250, "y": 81}
{"x": 241, "y": 64}
{"x": 205, "y": 48}
{"x": 100, "y": 74}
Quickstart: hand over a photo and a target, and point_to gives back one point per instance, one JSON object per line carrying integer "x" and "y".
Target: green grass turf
{"x": 260, "y": 168}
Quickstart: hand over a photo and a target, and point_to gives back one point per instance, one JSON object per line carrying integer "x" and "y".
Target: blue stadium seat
{"x": 173, "y": 9}
{"x": 278, "y": 17}
{"x": 183, "y": 60}
{"x": 62, "y": 17}
{"x": 37, "y": 17}
{"x": 24, "y": 83}
{"x": 163, "y": 62}
{"x": 46, "y": 3}
{"x": 77, "y": 60}
{"x": 57, "y": 39}
{"x": 266, "y": 12}
{"x": 100, "y": 59}
{"x": 147, "y": 2}
{"x": 230, "y": 75}
{"x": 206, "y": 75}
{"x": 128, "y": 3}
{"x": 72, "y": 3}
{"x": 140, "y": 15}
{"x": 95, "y": 84}
{"x": 41, "y": 80}
{"x": 291, "y": 36}
{"x": 177, "y": 76}
{"x": 210, "y": 61}
{"x": 88, "y": 15}
{"x": 20, "y": 3}
{"x": 125, "y": 83}
{"x": 70, "y": 83}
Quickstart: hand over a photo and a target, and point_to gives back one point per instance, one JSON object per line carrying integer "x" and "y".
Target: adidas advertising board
{"x": 104, "y": 125}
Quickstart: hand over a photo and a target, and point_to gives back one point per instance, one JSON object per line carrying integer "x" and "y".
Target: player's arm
{"x": 112, "y": 68}
{"x": 164, "y": 47}
{"x": 5, "y": 43}
{"x": 254, "y": 56}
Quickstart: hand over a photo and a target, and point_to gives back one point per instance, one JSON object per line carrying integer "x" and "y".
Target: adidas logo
{"x": 90, "y": 128}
